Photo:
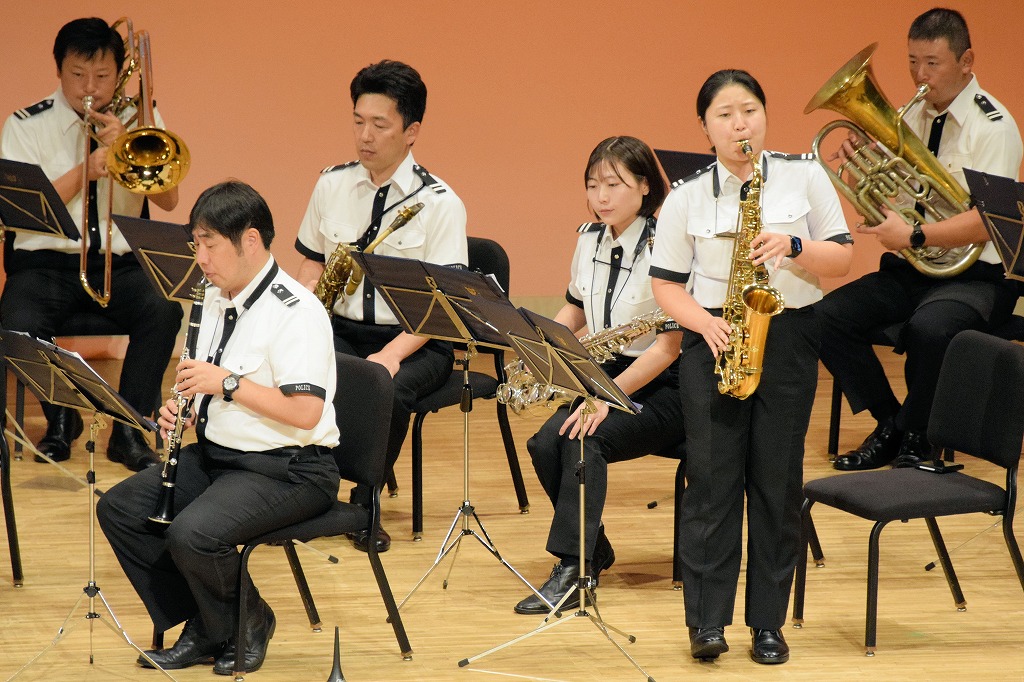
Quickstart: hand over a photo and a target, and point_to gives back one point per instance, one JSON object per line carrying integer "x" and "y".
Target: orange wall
{"x": 520, "y": 92}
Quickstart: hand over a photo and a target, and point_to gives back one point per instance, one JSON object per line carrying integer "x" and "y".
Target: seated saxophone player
{"x": 964, "y": 127}
{"x": 263, "y": 380}
{"x": 609, "y": 286}
{"x": 790, "y": 231}
{"x": 43, "y": 286}
{"x": 357, "y": 203}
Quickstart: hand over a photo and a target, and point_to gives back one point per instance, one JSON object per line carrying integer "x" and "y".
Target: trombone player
{"x": 43, "y": 286}
{"x": 964, "y": 127}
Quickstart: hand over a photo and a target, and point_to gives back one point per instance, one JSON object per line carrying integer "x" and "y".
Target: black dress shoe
{"x": 129, "y": 447}
{"x": 768, "y": 646}
{"x": 63, "y": 425}
{"x": 258, "y": 632}
{"x": 877, "y": 450}
{"x": 192, "y": 648}
{"x": 707, "y": 644}
{"x": 359, "y": 540}
{"x": 914, "y": 449}
{"x": 564, "y": 578}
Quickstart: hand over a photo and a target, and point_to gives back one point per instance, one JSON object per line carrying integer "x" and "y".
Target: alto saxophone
{"x": 751, "y": 302}
{"x": 522, "y": 391}
{"x": 342, "y": 275}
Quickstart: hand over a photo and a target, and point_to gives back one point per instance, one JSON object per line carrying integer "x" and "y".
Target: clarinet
{"x": 164, "y": 513}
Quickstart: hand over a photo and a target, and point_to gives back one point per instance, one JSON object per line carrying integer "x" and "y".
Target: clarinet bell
{"x": 336, "y": 674}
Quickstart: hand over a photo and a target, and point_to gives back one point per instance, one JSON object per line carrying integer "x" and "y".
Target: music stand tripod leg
{"x": 92, "y": 591}
{"x": 585, "y": 584}
{"x": 466, "y": 509}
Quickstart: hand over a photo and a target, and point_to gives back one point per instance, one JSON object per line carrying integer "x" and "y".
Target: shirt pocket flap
{"x": 339, "y": 232}
{"x": 788, "y": 211}
{"x": 242, "y": 364}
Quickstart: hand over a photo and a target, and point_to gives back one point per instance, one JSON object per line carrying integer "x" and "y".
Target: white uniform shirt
{"x": 285, "y": 341}
{"x": 632, "y": 295}
{"x": 339, "y": 213}
{"x": 53, "y": 138}
{"x": 797, "y": 199}
{"x": 970, "y": 139}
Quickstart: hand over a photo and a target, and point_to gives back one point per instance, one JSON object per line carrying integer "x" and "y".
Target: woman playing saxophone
{"x": 753, "y": 446}
{"x": 609, "y": 286}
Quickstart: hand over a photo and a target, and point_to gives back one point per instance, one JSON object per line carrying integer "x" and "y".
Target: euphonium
{"x": 342, "y": 275}
{"x": 899, "y": 173}
{"x": 164, "y": 513}
{"x": 750, "y": 302}
{"x": 522, "y": 391}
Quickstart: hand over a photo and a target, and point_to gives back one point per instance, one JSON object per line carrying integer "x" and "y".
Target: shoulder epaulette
{"x": 693, "y": 176}
{"x": 340, "y": 166}
{"x": 792, "y": 157}
{"x": 590, "y": 227}
{"x": 286, "y": 297}
{"x": 987, "y": 107}
{"x": 429, "y": 180}
{"x": 37, "y": 108}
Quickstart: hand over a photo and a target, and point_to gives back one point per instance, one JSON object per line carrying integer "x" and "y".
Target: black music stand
{"x": 1001, "y": 202}
{"x": 553, "y": 353}
{"x": 167, "y": 254}
{"x": 434, "y": 301}
{"x": 30, "y": 204}
{"x": 62, "y": 378}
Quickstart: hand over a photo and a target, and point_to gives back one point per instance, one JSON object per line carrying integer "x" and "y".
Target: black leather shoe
{"x": 258, "y": 632}
{"x": 192, "y": 648}
{"x": 359, "y": 540}
{"x": 129, "y": 447}
{"x": 877, "y": 450}
{"x": 768, "y": 646}
{"x": 707, "y": 644}
{"x": 914, "y": 449}
{"x": 63, "y": 426}
{"x": 564, "y": 578}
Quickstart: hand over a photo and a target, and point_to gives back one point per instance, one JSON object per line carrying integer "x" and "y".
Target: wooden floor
{"x": 921, "y": 636}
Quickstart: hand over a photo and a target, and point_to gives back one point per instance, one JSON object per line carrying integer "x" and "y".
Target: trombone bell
{"x": 148, "y": 160}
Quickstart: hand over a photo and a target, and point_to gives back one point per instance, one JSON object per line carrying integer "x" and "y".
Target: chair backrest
{"x": 363, "y": 404}
{"x": 487, "y": 256}
{"x": 979, "y": 401}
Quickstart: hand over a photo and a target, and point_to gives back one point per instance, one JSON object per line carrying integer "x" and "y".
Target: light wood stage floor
{"x": 921, "y": 636}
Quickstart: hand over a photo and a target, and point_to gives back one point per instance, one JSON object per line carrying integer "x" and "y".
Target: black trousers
{"x": 419, "y": 375}
{"x": 934, "y": 310}
{"x": 620, "y": 437}
{"x": 751, "y": 447}
{"x": 192, "y": 569}
{"x": 37, "y": 300}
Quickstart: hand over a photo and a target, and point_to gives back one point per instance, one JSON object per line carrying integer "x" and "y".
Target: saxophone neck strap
{"x": 371, "y": 230}
{"x": 716, "y": 184}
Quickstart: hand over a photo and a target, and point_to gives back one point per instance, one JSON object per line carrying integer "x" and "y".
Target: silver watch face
{"x": 230, "y": 382}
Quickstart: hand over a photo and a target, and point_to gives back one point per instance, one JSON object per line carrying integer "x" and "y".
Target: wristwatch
{"x": 917, "y": 236}
{"x": 229, "y": 386}
{"x": 796, "y": 247}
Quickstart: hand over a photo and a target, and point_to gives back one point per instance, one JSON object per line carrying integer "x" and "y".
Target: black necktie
{"x": 613, "y": 276}
{"x": 230, "y": 318}
{"x": 376, "y": 214}
{"x": 94, "y": 213}
{"x": 934, "y": 138}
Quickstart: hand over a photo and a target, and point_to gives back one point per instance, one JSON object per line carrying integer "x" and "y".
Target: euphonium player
{"x": 609, "y": 285}
{"x": 751, "y": 447}
{"x": 43, "y": 285}
{"x": 264, "y": 381}
{"x": 351, "y": 203}
{"x": 965, "y": 127}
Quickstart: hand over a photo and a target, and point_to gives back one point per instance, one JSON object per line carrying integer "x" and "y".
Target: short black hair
{"x": 942, "y": 23}
{"x": 720, "y": 79}
{"x": 396, "y": 80}
{"x": 636, "y": 157}
{"x": 88, "y": 37}
{"x": 229, "y": 209}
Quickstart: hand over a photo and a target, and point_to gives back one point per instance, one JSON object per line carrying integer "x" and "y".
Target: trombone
{"x": 144, "y": 160}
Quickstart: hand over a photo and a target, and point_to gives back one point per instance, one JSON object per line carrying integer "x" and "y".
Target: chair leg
{"x": 303, "y": 586}
{"x": 513, "y": 458}
{"x": 812, "y": 538}
{"x": 871, "y": 615}
{"x": 800, "y": 579}
{"x": 19, "y": 414}
{"x": 389, "y": 602}
{"x": 677, "y": 557}
{"x": 8, "y": 500}
{"x": 947, "y": 564}
{"x": 833, "y": 421}
{"x": 1011, "y": 544}
{"x": 243, "y": 600}
{"x": 417, "y": 476}
{"x": 392, "y": 483}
